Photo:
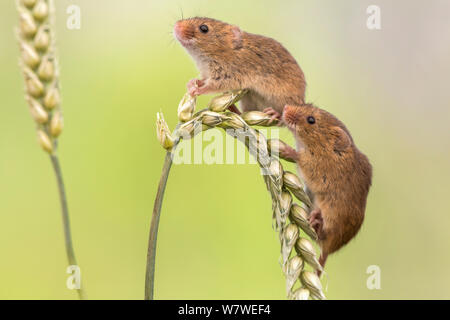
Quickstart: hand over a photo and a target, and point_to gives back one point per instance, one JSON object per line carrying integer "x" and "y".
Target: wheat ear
{"x": 281, "y": 185}
{"x": 40, "y": 69}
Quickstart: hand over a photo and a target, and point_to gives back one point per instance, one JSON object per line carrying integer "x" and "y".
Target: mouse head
{"x": 317, "y": 129}
{"x": 207, "y": 37}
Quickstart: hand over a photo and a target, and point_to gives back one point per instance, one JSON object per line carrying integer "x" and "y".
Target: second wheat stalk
{"x": 40, "y": 70}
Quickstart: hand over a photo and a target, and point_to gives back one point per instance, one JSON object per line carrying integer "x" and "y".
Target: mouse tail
{"x": 322, "y": 261}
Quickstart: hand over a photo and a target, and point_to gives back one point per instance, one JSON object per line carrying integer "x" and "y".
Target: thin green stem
{"x": 65, "y": 218}
{"x": 151, "y": 253}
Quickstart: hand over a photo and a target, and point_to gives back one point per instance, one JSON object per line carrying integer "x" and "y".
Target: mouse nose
{"x": 177, "y": 28}
{"x": 288, "y": 109}
{"x": 181, "y": 31}
{"x": 290, "y": 114}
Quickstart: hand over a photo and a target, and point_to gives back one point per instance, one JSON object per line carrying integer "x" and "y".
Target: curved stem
{"x": 65, "y": 217}
{"x": 151, "y": 253}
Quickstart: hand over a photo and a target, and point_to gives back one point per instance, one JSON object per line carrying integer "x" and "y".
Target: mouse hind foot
{"x": 234, "y": 109}
{"x": 316, "y": 222}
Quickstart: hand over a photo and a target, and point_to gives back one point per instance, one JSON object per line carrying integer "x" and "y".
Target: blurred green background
{"x": 389, "y": 86}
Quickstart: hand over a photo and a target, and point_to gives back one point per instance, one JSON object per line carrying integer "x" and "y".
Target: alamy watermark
{"x": 214, "y": 147}
{"x": 74, "y": 280}
{"x": 374, "y": 280}
{"x": 74, "y": 19}
{"x": 374, "y": 19}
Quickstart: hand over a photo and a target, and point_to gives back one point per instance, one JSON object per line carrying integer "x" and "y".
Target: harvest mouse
{"x": 336, "y": 173}
{"x": 231, "y": 59}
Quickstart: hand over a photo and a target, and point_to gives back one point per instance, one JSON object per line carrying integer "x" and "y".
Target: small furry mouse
{"x": 337, "y": 175}
{"x": 231, "y": 59}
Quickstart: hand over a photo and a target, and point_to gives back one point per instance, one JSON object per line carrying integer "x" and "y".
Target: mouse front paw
{"x": 195, "y": 87}
{"x": 288, "y": 153}
{"x": 275, "y": 116}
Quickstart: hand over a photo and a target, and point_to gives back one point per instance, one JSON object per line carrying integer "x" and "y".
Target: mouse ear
{"x": 236, "y": 34}
{"x": 342, "y": 140}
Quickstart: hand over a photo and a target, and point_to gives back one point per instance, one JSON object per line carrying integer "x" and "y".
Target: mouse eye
{"x": 311, "y": 120}
{"x": 204, "y": 28}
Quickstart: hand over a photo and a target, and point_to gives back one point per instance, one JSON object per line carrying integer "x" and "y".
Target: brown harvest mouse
{"x": 337, "y": 175}
{"x": 231, "y": 59}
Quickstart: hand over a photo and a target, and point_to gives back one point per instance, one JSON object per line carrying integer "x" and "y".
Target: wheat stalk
{"x": 281, "y": 185}
{"x": 40, "y": 69}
